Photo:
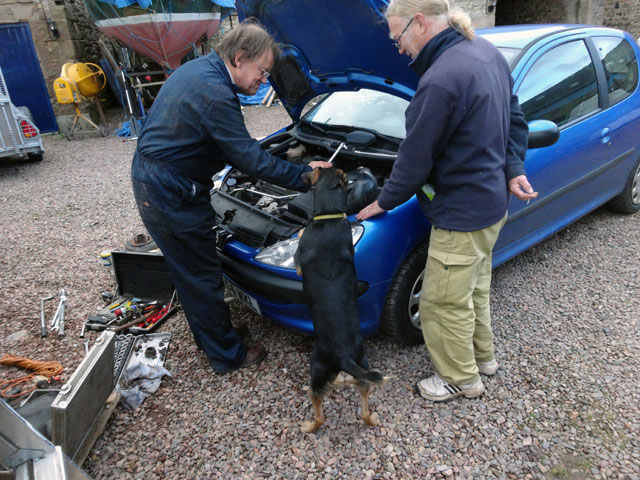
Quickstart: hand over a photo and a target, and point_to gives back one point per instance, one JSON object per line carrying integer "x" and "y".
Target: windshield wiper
{"x": 316, "y": 126}
{"x": 331, "y": 131}
{"x": 382, "y": 136}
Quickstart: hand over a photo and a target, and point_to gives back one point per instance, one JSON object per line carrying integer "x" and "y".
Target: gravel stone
{"x": 564, "y": 404}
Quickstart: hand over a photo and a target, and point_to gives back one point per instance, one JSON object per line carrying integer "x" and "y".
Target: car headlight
{"x": 281, "y": 254}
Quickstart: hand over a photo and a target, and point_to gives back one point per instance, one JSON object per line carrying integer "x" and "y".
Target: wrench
{"x": 43, "y": 323}
{"x": 58, "y": 318}
{"x": 340, "y": 147}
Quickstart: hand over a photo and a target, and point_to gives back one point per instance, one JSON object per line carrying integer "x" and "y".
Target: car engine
{"x": 259, "y": 213}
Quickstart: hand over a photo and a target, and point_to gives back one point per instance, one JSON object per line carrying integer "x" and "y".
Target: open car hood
{"x": 330, "y": 45}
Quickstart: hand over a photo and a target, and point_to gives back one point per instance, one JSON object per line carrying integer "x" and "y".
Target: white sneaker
{"x": 488, "y": 368}
{"x": 437, "y": 390}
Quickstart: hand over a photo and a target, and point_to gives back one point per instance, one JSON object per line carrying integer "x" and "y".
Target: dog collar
{"x": 330, "y": 216}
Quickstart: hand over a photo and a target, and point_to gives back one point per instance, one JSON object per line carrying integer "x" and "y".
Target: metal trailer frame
{"x": 12, "y": 141}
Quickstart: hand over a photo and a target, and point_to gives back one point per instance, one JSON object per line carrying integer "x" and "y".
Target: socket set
{"x": 121, "y": 352}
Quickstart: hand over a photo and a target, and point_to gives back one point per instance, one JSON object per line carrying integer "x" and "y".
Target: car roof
{"x": 519, "y": 36}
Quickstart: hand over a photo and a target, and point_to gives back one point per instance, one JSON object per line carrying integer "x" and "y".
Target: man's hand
{"x": 520, "y": 188}
{"x": 370, "y": 211}
{"x": 320, "y": 164}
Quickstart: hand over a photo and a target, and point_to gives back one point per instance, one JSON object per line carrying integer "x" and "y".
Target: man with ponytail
{"x": 466, "y": 141}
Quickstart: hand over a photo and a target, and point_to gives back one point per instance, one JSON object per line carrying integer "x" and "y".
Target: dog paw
{"x": 310, "y": 427}
{"x": 373, "y": 420}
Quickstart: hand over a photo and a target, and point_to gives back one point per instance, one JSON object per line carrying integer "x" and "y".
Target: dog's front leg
{"x": 316, "y": 400}
{"x": 370, "y": 419}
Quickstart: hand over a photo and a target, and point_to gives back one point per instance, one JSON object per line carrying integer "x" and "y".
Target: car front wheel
{"x": 629, "y": 200}
{"x": 401, "y": 315}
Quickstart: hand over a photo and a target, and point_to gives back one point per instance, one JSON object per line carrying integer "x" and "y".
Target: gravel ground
{"x": 565, "y": 404}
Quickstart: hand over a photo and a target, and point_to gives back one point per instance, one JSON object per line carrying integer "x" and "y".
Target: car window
{"x": 364, "y": 108}
{"x": 561, "y": 85}
{"x": 620, "y": 66}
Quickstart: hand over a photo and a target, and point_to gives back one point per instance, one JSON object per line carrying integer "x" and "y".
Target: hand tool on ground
{"x": 86, "y": 347}
{"x": 43, "y": 323}
{"x": 58, "y": 317}
{"x": 84, "y": 326}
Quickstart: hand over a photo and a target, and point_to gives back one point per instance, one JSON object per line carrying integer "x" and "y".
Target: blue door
{"x": 23, "y": 76}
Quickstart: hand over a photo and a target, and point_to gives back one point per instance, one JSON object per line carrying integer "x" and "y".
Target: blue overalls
{"x": 193, "y": 129}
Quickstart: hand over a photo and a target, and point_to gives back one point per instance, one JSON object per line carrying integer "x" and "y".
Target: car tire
{"x": 400, "y": 317}
{"x": 628, "y": 201}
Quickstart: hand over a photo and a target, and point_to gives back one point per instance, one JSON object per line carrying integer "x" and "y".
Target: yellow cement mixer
{"x": 81, "y": 82}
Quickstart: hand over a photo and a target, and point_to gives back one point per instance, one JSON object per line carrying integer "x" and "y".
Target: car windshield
{"x": 364, "y": 109}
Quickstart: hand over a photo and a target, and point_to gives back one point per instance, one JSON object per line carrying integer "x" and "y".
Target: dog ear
{"x": 311, "y": 178}
{"x": 338, "y": 179}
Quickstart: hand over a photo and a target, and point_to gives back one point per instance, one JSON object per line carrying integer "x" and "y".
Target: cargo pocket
{"x": 449, "y": 276}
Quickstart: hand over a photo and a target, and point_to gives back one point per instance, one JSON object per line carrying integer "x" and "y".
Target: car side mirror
{"x": 542, "y": 133}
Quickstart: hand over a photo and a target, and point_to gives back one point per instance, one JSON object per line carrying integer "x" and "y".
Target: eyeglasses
{"x": 396, "y": 42}
{"x": 265, "y": 74}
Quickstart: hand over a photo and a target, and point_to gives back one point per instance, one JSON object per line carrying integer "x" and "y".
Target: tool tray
{"x": 141, "y": 278}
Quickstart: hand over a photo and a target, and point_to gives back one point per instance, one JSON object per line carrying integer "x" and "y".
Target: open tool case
{"x": 142, "y": 281}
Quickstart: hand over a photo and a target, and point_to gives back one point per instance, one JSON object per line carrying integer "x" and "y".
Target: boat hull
{"x": 163, "y": 37}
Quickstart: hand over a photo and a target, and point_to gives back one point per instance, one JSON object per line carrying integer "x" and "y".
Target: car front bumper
{"x": 282, "y": 299}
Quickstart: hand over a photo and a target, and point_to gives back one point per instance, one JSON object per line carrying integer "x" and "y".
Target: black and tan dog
{"x": 325, "y": 261}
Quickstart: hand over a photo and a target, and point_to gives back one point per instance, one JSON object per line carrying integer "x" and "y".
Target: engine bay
{"x": 259, "y": 213}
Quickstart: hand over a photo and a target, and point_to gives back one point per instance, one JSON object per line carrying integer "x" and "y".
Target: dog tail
{"x": 356, "y": 371}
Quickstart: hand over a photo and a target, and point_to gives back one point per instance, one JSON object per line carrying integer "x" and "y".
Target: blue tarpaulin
{"x": 125, "y": 129}
{"x": 254, "y": 99}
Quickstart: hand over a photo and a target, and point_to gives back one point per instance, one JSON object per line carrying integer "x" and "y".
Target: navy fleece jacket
{"x": 466, "y": 135}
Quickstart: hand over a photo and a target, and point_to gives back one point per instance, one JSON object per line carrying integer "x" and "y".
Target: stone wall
{"x": 509, "y": 12}
{"x": 623, "y": 14}
{"x": 477, "y": 9}
{"x": 83, "y": 31}
{"x": 76, "y": 41}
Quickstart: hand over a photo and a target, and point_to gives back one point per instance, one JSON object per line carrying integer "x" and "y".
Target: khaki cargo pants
{"x": 454, "y": 303}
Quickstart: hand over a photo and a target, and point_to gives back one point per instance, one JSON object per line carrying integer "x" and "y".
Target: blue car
{"x": 346, "y": 89}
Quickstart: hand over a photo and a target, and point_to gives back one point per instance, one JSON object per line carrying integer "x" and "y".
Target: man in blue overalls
{"x": 193, "y": 129}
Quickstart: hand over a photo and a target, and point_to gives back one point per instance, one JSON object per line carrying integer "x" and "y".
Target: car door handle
{"x": 606, "y": 138}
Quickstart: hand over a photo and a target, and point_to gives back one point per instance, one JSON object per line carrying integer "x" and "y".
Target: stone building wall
{"x": 509, "y": 12}
{"x": 76, "y": 41}
{"x": 481, "y": 12}
{"x": 623, "y": 14}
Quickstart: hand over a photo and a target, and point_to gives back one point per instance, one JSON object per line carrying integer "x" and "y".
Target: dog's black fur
{"x": 325, "y": 261}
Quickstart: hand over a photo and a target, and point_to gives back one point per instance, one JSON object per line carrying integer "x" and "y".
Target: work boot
{"x": 255, "y": 355}
{"x": 242, "y": 330}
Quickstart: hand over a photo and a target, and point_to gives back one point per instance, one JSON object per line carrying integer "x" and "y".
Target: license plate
{"x": 244, "y": 298}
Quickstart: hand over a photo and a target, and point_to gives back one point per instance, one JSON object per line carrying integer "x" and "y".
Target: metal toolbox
{"x": 81, "y": 403}
{"x": 140, "y": 277}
